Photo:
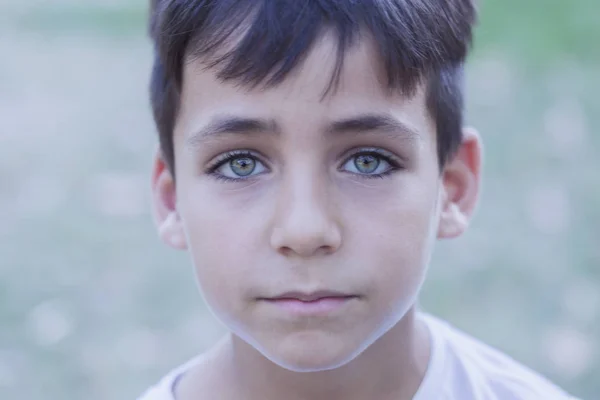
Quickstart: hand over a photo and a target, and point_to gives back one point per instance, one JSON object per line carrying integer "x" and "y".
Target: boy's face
{"x": 310, "y": 220}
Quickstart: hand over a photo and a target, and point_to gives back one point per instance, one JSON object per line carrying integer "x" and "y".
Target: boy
{"x": 311, "y": 152}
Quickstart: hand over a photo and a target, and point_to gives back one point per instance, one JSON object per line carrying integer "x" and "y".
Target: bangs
{"x": 259, "y": 42}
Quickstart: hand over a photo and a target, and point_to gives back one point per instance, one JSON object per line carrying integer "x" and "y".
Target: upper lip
{"x": 310, "y": 296}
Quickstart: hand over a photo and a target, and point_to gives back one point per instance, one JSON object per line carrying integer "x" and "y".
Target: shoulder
{"x": 156, "y": 393}
{"x": 163, "y": 389}
{"x": 476, "y": 370}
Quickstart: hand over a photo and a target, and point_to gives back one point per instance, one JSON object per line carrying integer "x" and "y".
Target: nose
{"x": 305, "y": 224}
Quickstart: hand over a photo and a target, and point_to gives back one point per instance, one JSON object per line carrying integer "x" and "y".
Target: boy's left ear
{"x": 461, "y": 181}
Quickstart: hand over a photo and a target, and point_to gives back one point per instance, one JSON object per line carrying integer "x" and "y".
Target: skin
{"x": 311, "y": 217}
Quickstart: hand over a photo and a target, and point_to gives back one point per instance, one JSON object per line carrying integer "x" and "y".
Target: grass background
{"x": 93, "y": 306}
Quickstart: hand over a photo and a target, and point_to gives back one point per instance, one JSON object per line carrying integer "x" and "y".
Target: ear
{"x": 164, "y": 200}
{"x": 461, "y": 183}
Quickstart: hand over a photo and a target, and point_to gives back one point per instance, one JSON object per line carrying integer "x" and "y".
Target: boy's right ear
{"x": 164, "y": 202}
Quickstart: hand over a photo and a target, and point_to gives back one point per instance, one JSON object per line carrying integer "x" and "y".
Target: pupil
{"x": 366, "y": 163}
{"x": 243, "y": 166}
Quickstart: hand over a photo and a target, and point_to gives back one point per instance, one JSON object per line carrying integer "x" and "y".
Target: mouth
{"x": 311, "y": 297}
{"x": 314, "y": 303}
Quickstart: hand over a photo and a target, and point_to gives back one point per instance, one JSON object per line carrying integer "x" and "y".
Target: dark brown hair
{"x": 418, "y": 41}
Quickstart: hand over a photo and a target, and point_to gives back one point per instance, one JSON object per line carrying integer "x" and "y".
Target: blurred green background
{"x": 92, "y": 306}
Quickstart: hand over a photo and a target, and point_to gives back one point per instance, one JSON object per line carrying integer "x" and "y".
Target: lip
{"x": 310, "y": 296}
{"x": 313, "y": 303}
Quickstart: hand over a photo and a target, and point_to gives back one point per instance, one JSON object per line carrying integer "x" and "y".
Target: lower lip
{"x": 324, "y": 305}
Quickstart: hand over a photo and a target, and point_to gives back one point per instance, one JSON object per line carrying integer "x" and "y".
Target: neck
{"x": 392, "y": 367}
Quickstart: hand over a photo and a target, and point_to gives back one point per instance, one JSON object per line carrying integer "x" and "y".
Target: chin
{"x": 312, "y": 352}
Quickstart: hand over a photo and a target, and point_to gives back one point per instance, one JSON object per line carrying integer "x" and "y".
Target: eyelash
{"x": 225, "y": 158}
{"x": 393, "y": 161}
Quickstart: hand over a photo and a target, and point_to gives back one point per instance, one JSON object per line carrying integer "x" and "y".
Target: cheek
{"x": 223, "y": 241}
{"x": 395, "y": 237}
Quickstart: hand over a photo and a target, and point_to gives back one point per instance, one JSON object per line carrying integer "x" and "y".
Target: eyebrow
{"x": 227, "y": 124}
{"x": 375, "y": 123}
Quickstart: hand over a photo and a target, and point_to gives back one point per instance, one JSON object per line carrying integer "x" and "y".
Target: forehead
{"x": 361, "y": 87}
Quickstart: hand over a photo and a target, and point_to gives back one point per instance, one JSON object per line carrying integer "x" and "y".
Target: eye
{"x": 242, "y": 166}
{"x": 237, "y": 166}
{"x": 371, "y": 163}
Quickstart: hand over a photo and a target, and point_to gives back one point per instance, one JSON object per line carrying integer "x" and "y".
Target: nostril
{"x": 326, "y": 249}
{"x": 308, "y": 251}
{"x": 329, "y": 249}
{"x": 285, "y": 251}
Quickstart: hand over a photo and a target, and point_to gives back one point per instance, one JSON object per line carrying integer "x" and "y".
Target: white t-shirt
{"x": 460, "y": 368}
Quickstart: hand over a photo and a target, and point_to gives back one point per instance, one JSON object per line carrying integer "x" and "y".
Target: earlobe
{"x": 171, "y": 232}
{"x": 164, "y": 199}
{"x": 453, "y": 222}
{"x": 461, "y": 183}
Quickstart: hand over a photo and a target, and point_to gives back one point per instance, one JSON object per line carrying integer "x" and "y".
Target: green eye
{"x": 237, "y": 165}
{"x": 242, "y": 166}
{"x": 371, "y": 163}
{"x": 366, "y": 163}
